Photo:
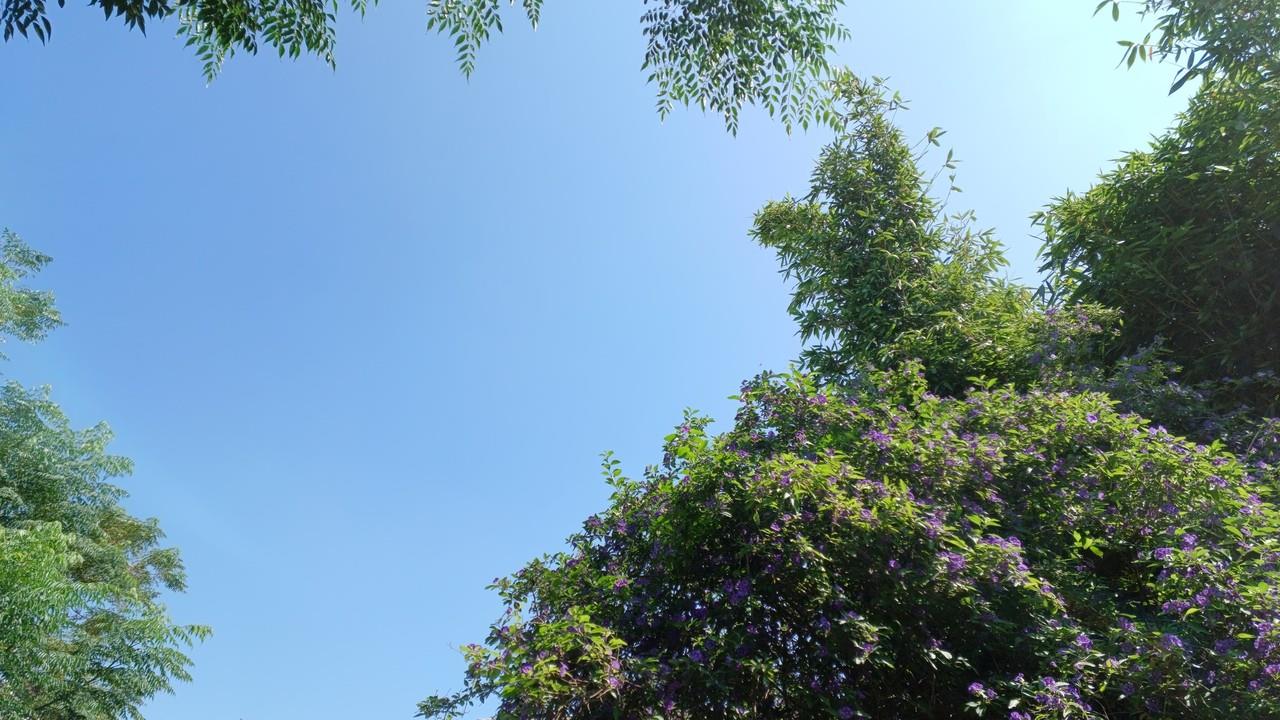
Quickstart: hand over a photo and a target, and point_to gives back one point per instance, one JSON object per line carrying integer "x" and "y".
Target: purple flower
{"x": 697, "y": 656}
{"x": 955, "y": 562}
{"x": 933, "y": 526}
{"x": 1091, "y": 418}
{"x": 879, "y": 438}
{"x": 1083, "y": 641}
{"x": 845, "y": 712}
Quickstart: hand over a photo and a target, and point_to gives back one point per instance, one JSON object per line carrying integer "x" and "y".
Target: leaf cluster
{"x": 1210, "y": 39}
{"x": 215, "y": 29}
{"x": 25, "y": 313}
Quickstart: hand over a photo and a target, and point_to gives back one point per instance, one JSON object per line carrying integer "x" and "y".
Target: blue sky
{"x": 366, "y": 332}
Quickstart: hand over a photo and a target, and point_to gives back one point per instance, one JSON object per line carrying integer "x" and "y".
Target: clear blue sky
{"x": 366, "y": 332}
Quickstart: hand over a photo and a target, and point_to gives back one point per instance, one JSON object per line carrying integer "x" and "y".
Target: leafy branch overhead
{"x": 714, "y": 54}
{"x": 1206, "y": 38}
{"x": 717, "y": 55}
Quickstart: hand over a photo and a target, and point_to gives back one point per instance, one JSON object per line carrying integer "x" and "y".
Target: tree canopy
{"x": 1181, "y": 238}
{"x": 882, "y": 273}
{"x": 83, "y": 630}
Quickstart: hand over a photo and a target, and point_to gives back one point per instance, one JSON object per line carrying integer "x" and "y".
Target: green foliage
{"x": 83, "y": 632}
{"x": 36, "y": 599}
{"x": 216, "y": 29}
{"x": 1182, "y": 239}
{"x": 882, "y": 275}
{"x": 892, "y": 553}
{"x": 718, "y": 55}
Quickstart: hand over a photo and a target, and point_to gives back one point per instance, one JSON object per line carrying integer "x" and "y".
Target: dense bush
{"x": 892, "y": 553}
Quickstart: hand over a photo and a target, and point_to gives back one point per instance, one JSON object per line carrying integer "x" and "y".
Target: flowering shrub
{"x": 983, "y": 515}
{"x": 892, "y": 553}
